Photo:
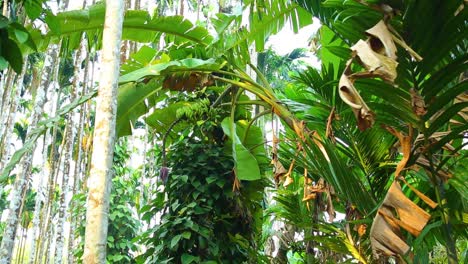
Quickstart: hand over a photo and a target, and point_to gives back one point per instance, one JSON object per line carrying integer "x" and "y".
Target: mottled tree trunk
{"x": 99, "y": 182}
{"x": 77, "y": 172}
{"x": 8, "y": 241}
{"x": 68, "y": 145}
{"x": 5, "y": 8}
{"x": 41, "y": 98}
{"x": 53, "y": 160}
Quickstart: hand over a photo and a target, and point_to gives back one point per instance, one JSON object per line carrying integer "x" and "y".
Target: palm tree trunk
{"x": 5, "y": 8}
{"x": 77, "y": 170}
{"x": 40, "y": 195}
{"x": 8, "y": 240}
{"x": 40, "y": 101}
{"x": 104, "y": 138}
{"x": 4, "y": 106}
{"x": 8, "y": 112}
{"x": 53, "y": 162}
{"x": 68, "y": 145}
{"x": 181, "y": 8}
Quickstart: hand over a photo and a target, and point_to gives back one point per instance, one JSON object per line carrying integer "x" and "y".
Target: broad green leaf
{"x": 33, "y": 8}
{"x": 21, "y": 35}
{"x": 131, "y": 104}
{"x": 175, "y": 240}
{"x": 222, "y": 21}
{"x": 246, "y": 166}
{"x": 12, "y": 53}
{"x": 144, "y": 55}
{"x": 52, "y": 22}
{"x": 187, "y": 234}
{"x": 137, "y": 26}
{"x": 172, "y": 66}
{"x": 3, "y": 22}
{"x": 187, "y": 259}
{"x": 253, "y": 140}
{"x": 3, "y": 63}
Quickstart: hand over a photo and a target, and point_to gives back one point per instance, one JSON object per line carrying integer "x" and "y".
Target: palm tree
{"x": 99, "y": 183}
{"x": 423, "y": 107}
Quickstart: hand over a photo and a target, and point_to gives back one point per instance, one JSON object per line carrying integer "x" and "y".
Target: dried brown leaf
{"x": 385, "y": 238}
{"x": 396, "y": 211}
{"x": 329, "y": 131}
{"x": 381, "y": 40}
{"x": 417, "y": 102}
{"x": 376, "y": 64}
{"x": 405, "y": 143}
{"x": 349, "y": 94}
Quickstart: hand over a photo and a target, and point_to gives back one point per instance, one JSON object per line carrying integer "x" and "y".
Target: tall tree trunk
{"x": 72, "y": 243}
{"x": 41, "y": 98}
{"x": 5, "y": 104}
{"x": 53, "y": 160}
{"x": 8, "y": 240}
{"x": 66, "y": 166}
{"x": 40, "y": 199}
{"x": 99, "y": 183}
{"x": 181, "y": 7}
{"x": 5, "y": 8}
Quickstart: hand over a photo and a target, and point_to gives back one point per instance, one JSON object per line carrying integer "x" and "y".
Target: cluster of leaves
{"x": 15, "y": 39}
{"x": 204, "y": 220}
{"x": 360, "y": 165}
{"x": 124, "y": 225}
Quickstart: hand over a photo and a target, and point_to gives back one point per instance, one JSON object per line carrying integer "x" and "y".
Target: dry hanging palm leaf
{"x": 381, "y": 40}
{"x": 329, "y": 131}
{"x": 311, "y": 189}
{"x": 288, "y": 179}
{"x": 417, "y": 102}
{"x": 376, "y": 64}
{"x": 398, "y": 211}
{"x": 278, "y": 169}
{"x": 461, "y": 98}
{"x": 349, "y": 94}
{"x": 378, "y": 56}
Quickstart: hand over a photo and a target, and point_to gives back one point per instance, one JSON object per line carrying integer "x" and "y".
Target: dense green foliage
{"x": 190, "y": 95}
{"x": 203, "y": 220}
{"x": 123, "y": 221}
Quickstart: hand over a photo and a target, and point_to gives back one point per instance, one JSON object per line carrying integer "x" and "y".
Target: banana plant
{"x": 198, "y": 54}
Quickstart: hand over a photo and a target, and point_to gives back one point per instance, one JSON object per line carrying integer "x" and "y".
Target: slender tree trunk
{"x": 8, "y": 240}
{"x": 8, "y": 113}
{"x": 99, "y": 182}
{"x": 53, "y": 163}
{"x": 77, "y": 169}
{"x": 68, "y": 145}
{"x": 7, "y": 78}
{"x": 182, "y": 7}
{"x": 4, "y": 106}
{"x": 5, "y": 8}
{"x": 40, "y": 194}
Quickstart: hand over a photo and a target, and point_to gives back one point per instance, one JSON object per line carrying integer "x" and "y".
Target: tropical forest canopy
{"x": 225, "y": 151}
